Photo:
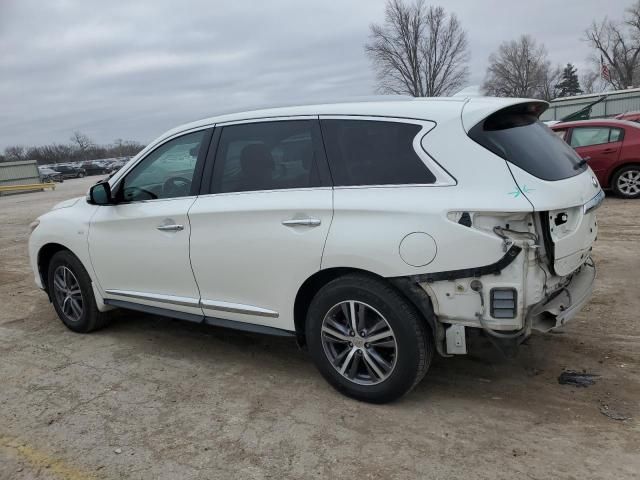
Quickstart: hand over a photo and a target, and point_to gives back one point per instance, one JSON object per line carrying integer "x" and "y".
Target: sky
{"x": 134, "y": 69}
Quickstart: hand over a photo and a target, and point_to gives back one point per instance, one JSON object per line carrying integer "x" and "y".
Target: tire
{"x": 626, "y": 182}
{"x": 80, "y": 175}
{"x": 377, "y": 371}
{"x": 76, "y": 280}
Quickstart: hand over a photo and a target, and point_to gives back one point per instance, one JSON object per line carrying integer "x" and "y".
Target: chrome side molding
{"x": 155, "y": 297}
{"x": 194, "y": 302}
{"x": 238, "y": 308}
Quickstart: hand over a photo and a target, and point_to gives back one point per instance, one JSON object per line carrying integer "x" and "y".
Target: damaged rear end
{"x": 546, "y": 274}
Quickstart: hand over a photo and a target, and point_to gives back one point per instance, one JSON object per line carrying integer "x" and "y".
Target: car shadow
{"x": 484, "y": 372}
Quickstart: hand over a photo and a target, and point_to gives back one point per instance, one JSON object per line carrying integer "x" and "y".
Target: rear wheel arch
{"x": 312, "y": 285}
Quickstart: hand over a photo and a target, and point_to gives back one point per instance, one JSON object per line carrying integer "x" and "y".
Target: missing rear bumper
{"x": 567, "y": 303}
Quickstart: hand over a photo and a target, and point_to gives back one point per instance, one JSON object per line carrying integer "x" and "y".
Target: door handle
{"x": 170, "y": 228}
{"x": 609, "y": 150}
{"x": 303, "y": 222}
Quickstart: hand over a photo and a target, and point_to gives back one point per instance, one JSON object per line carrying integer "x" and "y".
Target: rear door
{"x": 600, "y": 145}
{"x": 259, "y": 228}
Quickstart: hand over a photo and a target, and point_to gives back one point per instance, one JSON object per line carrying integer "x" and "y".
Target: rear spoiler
{"x": 477, "y": 109}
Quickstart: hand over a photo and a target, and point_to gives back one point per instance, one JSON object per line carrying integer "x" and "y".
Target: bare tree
{"x": 15, "y": 153}
{"x": 592, "y": 82}
{"x": 549, "y": 80}
{"x": 81, "y": 140}
{"x": 618, "y": 44}
{"x": 520, "y": 68}
{"x": 420, "y": 51}
{"x": 55, "y": 152}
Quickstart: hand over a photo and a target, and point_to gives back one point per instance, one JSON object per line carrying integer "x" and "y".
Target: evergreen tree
{"x": 569, "y": 85}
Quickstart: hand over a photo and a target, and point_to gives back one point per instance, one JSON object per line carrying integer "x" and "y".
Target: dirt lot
{"x": 156, "y": 398}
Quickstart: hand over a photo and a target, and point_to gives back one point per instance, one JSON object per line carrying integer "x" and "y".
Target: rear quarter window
{"x": 522, "y": 140}
{"x": 372, "y": 152}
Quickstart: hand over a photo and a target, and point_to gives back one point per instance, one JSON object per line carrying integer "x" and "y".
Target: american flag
{"x": 604, "y": 70}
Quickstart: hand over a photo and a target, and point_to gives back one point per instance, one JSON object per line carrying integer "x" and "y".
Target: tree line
{"x": 79, "y": 148}
{"x": 421, "y": 50}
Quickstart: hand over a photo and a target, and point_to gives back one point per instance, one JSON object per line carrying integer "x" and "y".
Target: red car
{"x": 630, "y": 116}
{"x": 612, "y": 148}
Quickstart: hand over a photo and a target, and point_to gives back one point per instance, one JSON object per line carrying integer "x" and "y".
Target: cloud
{"x": 134, "y": 69}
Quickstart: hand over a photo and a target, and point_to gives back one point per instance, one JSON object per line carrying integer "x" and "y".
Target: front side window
{"x": 371, "y": 152}
{"x": 586, "y": 136}
{"x": 167, "y": 172}
{"x": 266, "y": 156}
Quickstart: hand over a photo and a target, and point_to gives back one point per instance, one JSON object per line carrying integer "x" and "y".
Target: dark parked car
{"x": 50, "y": 175}
{"x": 69, "y": 171}
{"x": 117, "y": 165}
{"x": 612, "y": 150}
{"x": 95, "y": 168}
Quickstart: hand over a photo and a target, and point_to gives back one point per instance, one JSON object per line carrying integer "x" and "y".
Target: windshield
{"x": 527, "y": 143}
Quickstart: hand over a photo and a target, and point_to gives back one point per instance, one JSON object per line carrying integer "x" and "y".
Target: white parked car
{"x": 376, "y": 233}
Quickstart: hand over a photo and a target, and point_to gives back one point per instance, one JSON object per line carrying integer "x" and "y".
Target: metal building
{"x": 616, "y": 102}
{"x": 18, "y": 173}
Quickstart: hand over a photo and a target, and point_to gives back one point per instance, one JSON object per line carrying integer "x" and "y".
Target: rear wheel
{"x": 626, "y": 182}
{"x": 80, "y": 175}
{"x": 367, "y": 340}
{"x": 72, "y": 294}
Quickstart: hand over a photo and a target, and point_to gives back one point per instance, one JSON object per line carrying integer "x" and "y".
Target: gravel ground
{"x": 151, "y": 397}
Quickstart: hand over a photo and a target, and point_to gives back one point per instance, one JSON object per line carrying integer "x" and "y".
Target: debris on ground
{"x": 577, "y": 379}
{"x": 118, "y": 450}
{"x": 607, "y": 411}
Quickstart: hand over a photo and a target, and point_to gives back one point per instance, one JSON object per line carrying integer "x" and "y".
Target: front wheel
{"x": 367, "y": 340}
{"x": 72, "y": 294}
{"x": 626, "y": 182}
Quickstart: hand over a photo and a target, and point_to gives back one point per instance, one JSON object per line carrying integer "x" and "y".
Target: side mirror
{"x": 100, "y": 194}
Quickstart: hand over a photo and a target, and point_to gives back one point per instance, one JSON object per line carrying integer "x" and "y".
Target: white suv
{"x": 375, "y": 232}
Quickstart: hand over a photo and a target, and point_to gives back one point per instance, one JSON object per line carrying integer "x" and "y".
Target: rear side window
{"x": 266, "y": 156}
{"x": 586, "y": 136}
{"x": 369, "y": 152}
{"x": 616, "y": 135}
{"x": 522, "y": 140}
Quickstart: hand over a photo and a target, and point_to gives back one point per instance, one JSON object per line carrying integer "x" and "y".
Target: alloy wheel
{"x": 359, "y": 342}
{"x": 628, "y": 183}
{"x": 67, "y": 293}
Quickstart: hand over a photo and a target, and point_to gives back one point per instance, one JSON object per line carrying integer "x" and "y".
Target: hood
{"x": 67, "y": 203}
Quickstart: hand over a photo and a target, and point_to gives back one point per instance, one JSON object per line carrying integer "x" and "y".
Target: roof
{"x": 633, "y": 113}
{"x": 436, "y": 109}
{"x": 607, "y": 122}
{"x": 20, "y": 162}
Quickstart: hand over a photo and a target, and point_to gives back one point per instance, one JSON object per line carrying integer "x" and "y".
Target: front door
{"x": 140, "y": 246}
{"x": 260, "y": 232}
